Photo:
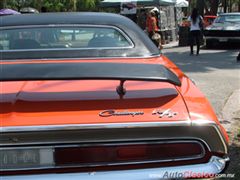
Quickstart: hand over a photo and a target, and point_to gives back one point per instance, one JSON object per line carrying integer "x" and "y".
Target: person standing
{"x": 195, "y": 30}
{"x": 152, "y": 28}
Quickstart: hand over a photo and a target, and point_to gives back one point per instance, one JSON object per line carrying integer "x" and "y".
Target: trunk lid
{"x": 33, "y": 103}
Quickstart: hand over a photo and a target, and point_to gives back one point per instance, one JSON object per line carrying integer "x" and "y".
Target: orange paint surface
{"x": 29, "y": 103}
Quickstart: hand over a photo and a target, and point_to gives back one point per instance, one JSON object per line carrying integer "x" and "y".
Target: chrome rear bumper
{"x": 215, "y": 166}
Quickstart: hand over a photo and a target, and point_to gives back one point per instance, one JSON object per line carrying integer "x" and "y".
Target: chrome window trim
{"x": 60, "y": 49}
{"x": 108, "y": 164}
{"x": 129, "y": 40}
{"x": 83, "y": 58}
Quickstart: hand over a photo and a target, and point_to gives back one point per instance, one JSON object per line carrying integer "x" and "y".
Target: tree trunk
{"x": 200, "y": 6}
{"x": 214, "y": 6}
{"x": 225, "y": 6}
{"x": 74, "y": 5}
{"x": 230, "y": 5}
{"x": 238, "y": 6}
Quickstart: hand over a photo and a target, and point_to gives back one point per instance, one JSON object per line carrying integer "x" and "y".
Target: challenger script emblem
{"x": 168, "y": 113}
{"x": 108, "y": 113}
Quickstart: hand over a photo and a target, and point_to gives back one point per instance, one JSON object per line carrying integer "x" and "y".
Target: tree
{"x": 53, "y": 5}
{"x": 200, "y": 6}
{"x": 214, "y": 7}
{"x": 87, "y": 5}
{"x": 2, "y": 4}
{"x": 15, "y": 4}
{"x": 210, "y": 7}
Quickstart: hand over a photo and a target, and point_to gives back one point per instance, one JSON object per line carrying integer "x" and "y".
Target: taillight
{"x": 125, "y": 154}
{"x": 60, "y": 158}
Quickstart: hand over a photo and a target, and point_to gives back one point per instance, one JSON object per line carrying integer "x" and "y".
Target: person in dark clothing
{"x": 195, "y": 30}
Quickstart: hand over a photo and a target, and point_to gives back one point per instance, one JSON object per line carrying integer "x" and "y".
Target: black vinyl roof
{"x": 65, "y": 18}
{"x": 143, "y": 46}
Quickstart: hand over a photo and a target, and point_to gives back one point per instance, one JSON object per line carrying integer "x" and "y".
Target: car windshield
{"x": 31, "y": 38}
{"x": 228, "y": 18}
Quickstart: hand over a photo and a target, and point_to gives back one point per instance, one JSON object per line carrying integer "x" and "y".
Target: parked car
{"x": 28, "y": 10}
{"x": 89, "y": 96}
{"x": 208, "y": 20}
{"x": 225, "y": 28}
{"x": 129, "y": 5}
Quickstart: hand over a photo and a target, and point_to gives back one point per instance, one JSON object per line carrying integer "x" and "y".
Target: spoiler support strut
{"x": 120, "y": 89}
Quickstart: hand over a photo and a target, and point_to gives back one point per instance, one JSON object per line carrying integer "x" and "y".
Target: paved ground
{"x": 217, "y": 74}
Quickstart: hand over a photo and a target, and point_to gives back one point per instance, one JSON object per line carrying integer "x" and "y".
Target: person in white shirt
{"x": 195, "y": 30}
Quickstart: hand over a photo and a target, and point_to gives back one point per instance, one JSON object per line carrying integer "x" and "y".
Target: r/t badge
{"x": 161, "y": 113}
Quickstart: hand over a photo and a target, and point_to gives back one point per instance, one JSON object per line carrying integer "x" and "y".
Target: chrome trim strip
{"x": 85, "y": 58}
{"x": 53, "y": 148}
{"x": 61, "y": 49}
{"x": 216, "y": 127}
{"x": 222, "y": 139}
{"x": 91, "y": 126}
{"x": 215, "y": 166}
{"x": 103, "y": 126}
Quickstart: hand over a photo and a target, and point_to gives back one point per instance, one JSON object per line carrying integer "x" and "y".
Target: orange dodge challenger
{"x": 89, "y": 96}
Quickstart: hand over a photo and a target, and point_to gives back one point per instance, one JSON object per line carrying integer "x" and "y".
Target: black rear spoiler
{"x": 87, "y": 71}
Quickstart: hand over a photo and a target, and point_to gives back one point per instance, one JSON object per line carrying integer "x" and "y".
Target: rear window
{"x": 228, "y": 18}
{"x": 47, "y": 38}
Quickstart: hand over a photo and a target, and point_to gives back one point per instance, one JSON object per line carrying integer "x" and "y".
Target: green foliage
{"x": 14, "y": 4}
{"x": 2, "y": 3}
{"x": 87, "y": 5}
{"x": 52, "y": 5}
